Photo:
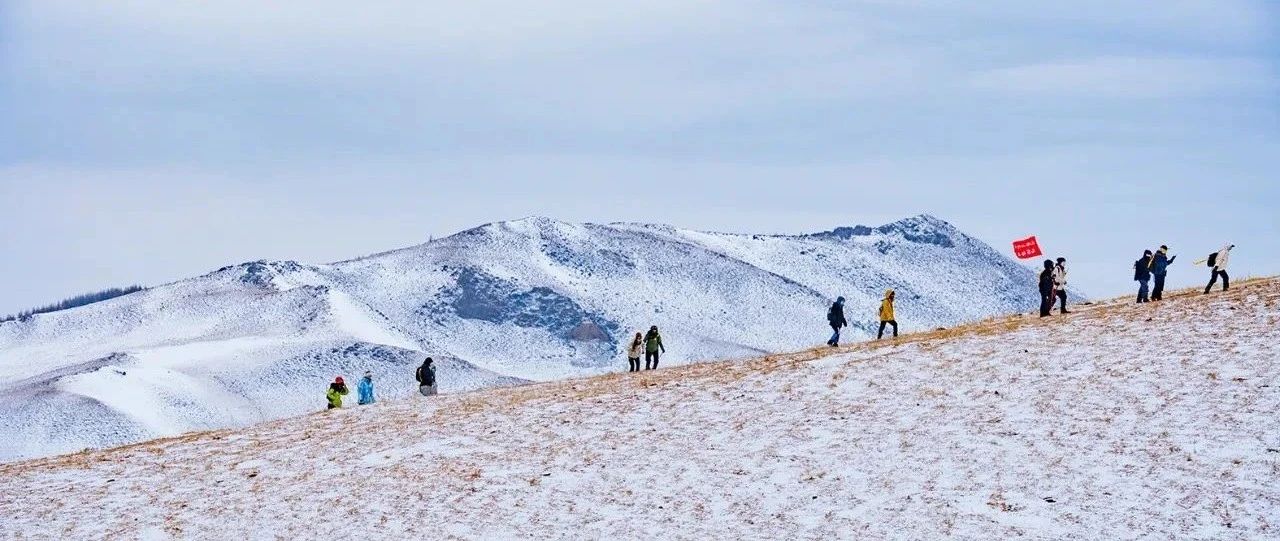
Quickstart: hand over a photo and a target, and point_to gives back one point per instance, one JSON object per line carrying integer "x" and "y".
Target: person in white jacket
{"x": 634, "y": 353}
{"x": 1060, "y": 283}
{"x": 1220, "y": 269}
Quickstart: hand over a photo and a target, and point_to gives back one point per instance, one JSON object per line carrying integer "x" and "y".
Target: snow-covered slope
{"x": 1121, "y": 422}
{"x": 532, "y": 299}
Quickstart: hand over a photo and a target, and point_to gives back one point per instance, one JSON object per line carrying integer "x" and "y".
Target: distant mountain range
{"x": 504, "y": 303}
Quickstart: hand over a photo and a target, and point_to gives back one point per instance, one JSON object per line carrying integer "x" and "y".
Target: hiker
{"x": 426, "y": 376}
{"x": 1060, "y": 283}
{"x": 634, "y": 352}
{"x": 835, "y": 317}
{"x": 365, "y": 390}
{"x": 652, "y": 345}
{"x": 1159, "y": 267}
{"x": 1142, "y": 275}
{"x": 886, "y": 315}
{"x": 1046, "y": 289}
{"x": 337, "y": 390}
{"x": 1219, "y": 263}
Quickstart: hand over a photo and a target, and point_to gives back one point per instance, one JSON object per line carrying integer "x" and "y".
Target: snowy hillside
{"x": 1119, "y": 422}
{"x": 504, "y": 303}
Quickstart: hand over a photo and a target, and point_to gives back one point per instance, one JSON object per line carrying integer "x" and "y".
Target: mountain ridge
{"x": 507, "y": 302}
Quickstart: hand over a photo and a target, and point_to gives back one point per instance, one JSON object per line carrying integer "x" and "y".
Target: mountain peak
{"x": 534, "y": 225}
{"x": 534, "y": 220}
{"x": 922, "y": 228}
{"x": 927, "y": 219}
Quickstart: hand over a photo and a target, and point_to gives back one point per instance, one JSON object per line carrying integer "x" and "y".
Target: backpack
{"x": 1213, "y": 259}
{"x": 833, "y": 315}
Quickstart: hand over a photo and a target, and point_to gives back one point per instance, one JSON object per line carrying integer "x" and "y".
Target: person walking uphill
{"x": 1142, "y": 275}
{"x": 337, "y": 390}
{"x": 886, "y": 315}
{"x": 426, "y": 376}
{"x": 652, "y": 346}
{"x": 1219, "y": 263}
{"x": 634, "y": 352}
{"x": 1060, "y": 283}
{"x": 364, "y": 390}
{"x": 835, "y": 317}
{"x": 1046, "y": 289}
{"x": 1159, "y": 268}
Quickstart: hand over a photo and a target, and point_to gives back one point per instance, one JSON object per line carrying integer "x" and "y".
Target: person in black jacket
{"x": 835, "y": 317}
{"x": 426, "y": 376}
{"x": 1046, "y": 289}
{"x": 1142, "y": 275}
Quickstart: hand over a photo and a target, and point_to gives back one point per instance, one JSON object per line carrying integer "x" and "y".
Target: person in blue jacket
{"x": 1159, "y": 268}
{"x": 365, "y": 389}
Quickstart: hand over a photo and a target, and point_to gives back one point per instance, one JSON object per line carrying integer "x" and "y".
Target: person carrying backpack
{"x": 886, "y": 315}
{"x": 426, "y": 376}
{"x": 1159, "y": 268}
{"x": 1060, "y": 283}
{"x": 835, "y": 317}
{"x": 1046, "y": 289}
{"x": 652, "y": 346}
{"x": 337, "y": 390}
{"x": 1142, "y": 275}
{"x": 634, "y": 352}
{"x": 1218, "y": 261}
{"x": 364, "y": 390}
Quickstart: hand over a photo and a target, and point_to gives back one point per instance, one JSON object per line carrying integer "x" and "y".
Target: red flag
{"x": 1027, "y": 248}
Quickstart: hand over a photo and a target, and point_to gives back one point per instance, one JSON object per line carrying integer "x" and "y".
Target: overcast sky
{"x": 152, "y": 140}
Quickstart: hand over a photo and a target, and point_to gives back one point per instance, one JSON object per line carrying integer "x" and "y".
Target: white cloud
{"x": 472, "y": 28}
{"x": 1133, "y": 77}
{"x": 1213, "y": 22}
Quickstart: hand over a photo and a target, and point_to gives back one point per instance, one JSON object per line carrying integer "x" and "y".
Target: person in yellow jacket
{"x": 886, "y": 315}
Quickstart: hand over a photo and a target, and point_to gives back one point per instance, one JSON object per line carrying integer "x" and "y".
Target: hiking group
{"x": 425, "y": 376}
{"x": 1053, "y": 286}
{"x": 837, "y": 320}
{"x": 1156, "y": 265}
{"x": 1052, "y": 290}
{"x": 651, "y": 344}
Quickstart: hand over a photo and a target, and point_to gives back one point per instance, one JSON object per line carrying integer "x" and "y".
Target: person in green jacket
{"x": 337, "y": 390}
{"x": 652, "y": 346}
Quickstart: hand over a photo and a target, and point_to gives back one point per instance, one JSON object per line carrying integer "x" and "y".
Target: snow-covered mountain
{"x": 532, "y": 299}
